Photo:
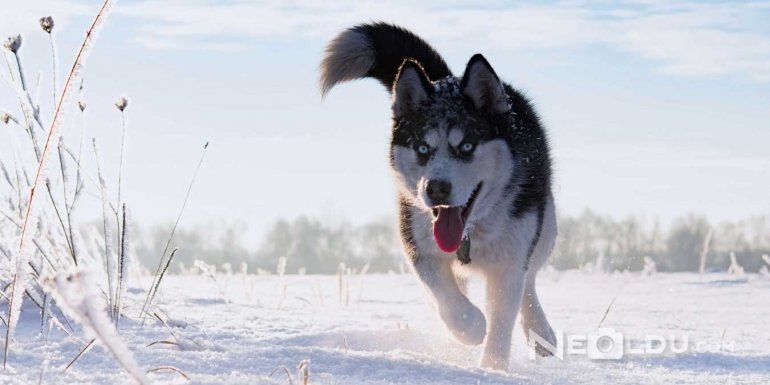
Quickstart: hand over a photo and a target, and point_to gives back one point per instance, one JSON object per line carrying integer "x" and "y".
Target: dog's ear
{"x": 410, "y": 88}
{"x": 482, "y": 86}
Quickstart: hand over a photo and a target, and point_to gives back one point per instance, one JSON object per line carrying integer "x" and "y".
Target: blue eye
{"x": 423, "y": 149}
{"x": 466, "y": 147}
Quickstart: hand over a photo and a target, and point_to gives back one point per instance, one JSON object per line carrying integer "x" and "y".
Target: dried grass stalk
{"x": 75, "y": 293}
{"x": 69, "y": 84}
{"x": 108, "y": 252}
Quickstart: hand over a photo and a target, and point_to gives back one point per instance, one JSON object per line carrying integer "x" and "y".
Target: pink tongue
{"x": 448, "y": 229}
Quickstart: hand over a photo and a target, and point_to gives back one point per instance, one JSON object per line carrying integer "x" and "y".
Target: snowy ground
{"x": 236, "y": 331}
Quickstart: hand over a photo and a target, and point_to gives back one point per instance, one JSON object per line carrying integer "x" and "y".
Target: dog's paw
{"x": 466, "y": 323}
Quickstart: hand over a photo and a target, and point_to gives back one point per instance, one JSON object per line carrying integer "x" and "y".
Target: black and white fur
{"x": 484, "y": 142}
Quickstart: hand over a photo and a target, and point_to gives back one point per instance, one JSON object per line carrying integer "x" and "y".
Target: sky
{"x": 654, "y": 108}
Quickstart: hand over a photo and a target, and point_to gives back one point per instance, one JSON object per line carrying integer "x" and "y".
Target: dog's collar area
{"x": 464, "y": 252}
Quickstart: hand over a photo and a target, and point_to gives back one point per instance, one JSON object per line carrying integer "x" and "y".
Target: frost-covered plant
{"x": 165, "y": 259}
{"x": 36, "y": 227}
{"x": 210, "y": 271}
{"x": 734, "y": 268}
{"x": 281, "y": 268}
{"x": 704, "y": 252}
{"x": 303, "y": 373}
{"x": 76, "y": 294}
{"x": 43, "y": 254}
{"x": 764, "y": 270}
{"x": 343, "y": 278}
{"x": 650, "y": 267}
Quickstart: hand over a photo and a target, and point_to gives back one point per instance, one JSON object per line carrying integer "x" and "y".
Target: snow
{"x": 237, "y": 329}
{"x": 77, "y": 296}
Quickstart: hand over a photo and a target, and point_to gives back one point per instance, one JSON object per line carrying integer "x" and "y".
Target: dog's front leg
{"x": 463, "y": 319}
{"x": 505, "y": 289}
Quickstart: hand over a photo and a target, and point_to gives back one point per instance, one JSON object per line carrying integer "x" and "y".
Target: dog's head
{"x": 448, "y": 152}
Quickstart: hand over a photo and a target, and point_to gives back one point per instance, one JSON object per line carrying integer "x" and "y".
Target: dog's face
{"x": 447, "y": 151}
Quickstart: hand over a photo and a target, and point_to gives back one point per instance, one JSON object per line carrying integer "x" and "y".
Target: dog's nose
{"x": 438, "y": 191}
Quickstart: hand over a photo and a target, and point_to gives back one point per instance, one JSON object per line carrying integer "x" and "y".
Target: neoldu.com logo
{"x": 610, "y": 344}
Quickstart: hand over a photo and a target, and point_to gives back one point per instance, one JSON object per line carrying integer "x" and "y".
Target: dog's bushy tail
{"x": 377, "y": 51}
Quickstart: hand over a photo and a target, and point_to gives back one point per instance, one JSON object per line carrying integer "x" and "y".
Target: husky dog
{"x": 471, "y": 160}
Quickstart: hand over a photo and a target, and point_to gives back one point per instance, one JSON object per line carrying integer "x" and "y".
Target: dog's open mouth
{"x": 449, "y": 223}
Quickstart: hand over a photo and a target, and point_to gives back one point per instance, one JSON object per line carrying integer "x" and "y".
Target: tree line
{"x": 587, "y": 239}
